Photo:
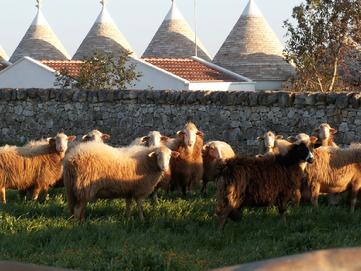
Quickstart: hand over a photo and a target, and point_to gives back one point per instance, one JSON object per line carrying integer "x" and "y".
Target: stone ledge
{"x": 229, "y": 98}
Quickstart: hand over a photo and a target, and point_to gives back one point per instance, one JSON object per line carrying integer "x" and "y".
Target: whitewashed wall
{"x": 27, "y": 74}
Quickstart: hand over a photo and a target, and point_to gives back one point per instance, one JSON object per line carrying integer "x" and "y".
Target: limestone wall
{"x": 235, "y": 117}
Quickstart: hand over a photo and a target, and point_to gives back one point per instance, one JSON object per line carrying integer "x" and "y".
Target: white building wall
{"x": 269, "y": 85}
{"x": 154, "y": 78}
{"x": 26, "y": 74}
{"x": 223, "y": 86}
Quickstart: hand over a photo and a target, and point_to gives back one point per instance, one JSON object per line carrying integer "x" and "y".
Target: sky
{"x": 138, "y": 20}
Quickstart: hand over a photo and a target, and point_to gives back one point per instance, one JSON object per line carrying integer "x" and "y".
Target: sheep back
{"x": 37, "y": 164}
{"x": 96, "y": 170}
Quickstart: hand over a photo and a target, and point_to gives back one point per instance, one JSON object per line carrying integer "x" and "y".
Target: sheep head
{"x": 60, "y": 142}
{"x": 163, "y": 155}
{"x": 269, "y": 139}
{"x": 154, "y": 139}
{"x": 212, "y": 151}
{"x": 324, "y": 131}
{"x": 189, "y": 134}
{"x": 95, "y": 135}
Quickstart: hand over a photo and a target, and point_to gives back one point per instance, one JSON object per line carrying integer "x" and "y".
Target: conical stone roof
{"x": 104, "y": 36}
{"x": 40, "y": 41}
{"x": 3, "y": 55}
{"x": 253, "y": 49}
{"x": 175, "y": 39}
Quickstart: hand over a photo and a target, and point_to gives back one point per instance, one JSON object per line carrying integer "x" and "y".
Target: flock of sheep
{"x": 299, "y": 168}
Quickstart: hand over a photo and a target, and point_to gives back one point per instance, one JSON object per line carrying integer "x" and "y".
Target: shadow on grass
{"x": 178, "y": 234}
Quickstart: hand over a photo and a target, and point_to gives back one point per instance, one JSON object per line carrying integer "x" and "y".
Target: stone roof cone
{"x": 253, "y": 49}
{"x": 40, "y": 41}
{"x": 104, "y": 36}
{"x": 3, "y": 55}
{"x": 175, "y": 39}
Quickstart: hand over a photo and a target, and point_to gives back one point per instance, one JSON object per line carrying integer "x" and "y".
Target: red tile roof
{"x": 190, "y": 69}
{"x": 72, "y": 66}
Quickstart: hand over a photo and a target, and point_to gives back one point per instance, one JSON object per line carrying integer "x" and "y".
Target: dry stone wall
{"x": 235, "y": 117}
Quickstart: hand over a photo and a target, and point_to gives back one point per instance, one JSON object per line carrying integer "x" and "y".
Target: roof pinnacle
{"x": 103, "y": 2}
{"x": 39, "y": 4}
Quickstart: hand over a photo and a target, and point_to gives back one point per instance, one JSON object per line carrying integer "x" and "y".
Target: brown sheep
{"x": 94, "y": 135}
{"x": 259, "y": 181}
{"x": 38, "y": 165}
{"x": 95, "y": 170}
{"x": 325, "y": 134}
{"x": 213, "y": 153}
{"x": 187, "y": 168}
{"x": 335, "y": 170}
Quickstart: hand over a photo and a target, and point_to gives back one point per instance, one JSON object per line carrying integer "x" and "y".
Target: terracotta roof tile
{"x": 190, "y": 69}
{"x": 72, "y": 66}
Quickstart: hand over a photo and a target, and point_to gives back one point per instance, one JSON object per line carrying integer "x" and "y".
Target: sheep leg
{"x": 354, "y": 198}
{"x": 297, "y": 197}
{"x": 140, "y": 209}
{"x": 222, "y": 218}
{"x": 22, "y": 194}
{"x": 315, "y": 191}
{"x": 3, "y": 195}
{"x": 36, "y": 192}
{"x": 204, "y": 187}
{"x": 184, "y": 190}
{"x": 282, "y": 207}
{"x": 79, "y": 211}
{"x": 128, "y": 207}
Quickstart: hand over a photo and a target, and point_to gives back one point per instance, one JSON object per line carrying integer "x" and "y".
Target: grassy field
{"x": 178, "y": 234}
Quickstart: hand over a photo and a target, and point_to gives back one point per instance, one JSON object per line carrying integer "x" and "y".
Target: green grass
{"x": 177, "y": 234}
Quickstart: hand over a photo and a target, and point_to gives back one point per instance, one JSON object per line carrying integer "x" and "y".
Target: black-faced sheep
{"x": 187, "y": 168}
{"x": 214, "y": 152}
{"x": 95, "y": 170}
{"x": 38, "y": 165}
{"x": 259, "y": 181}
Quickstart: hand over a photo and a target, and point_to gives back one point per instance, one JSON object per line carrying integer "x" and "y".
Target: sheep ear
{"x": 145, "y": 138}
{"x": 175, "y": 154}
{"x": 152, "y": 154}
{"x": 85, "y": 138}
{"x": 52, "y": 142}
{"x": 105, "y": 137}
{"x": 279, "y": 137}
{"x": 292, "y": 139}
{"x": 71, "y": 138}
{"x": 200, "y": 133}
{"x": 180, "y": 133}
{"x": 313, "y": 139}
{"x": 333, "y": 131}
{"x": 164, "y": 138}
{"x": 260, "y": 138}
